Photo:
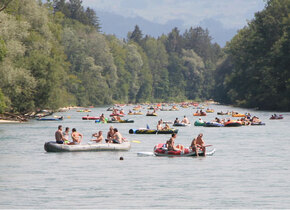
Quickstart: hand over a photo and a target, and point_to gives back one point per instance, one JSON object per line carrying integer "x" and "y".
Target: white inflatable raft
{"x": 54, "y": 147}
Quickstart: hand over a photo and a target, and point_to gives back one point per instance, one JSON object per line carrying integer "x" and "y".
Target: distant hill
{"x": 119, "y": 25}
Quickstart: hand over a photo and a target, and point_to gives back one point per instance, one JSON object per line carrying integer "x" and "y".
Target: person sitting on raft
{"x": 59, "y": 138}
{"x": 76, "y": 137}
{"x": 102, "y": 118}
{"x": 185, "y": 120}
{"x": 159, "y": 126}
{"x": 66, "y": 135}
{"x": 198, "y": 143}
{"x": 99, "y": 137}
{"x": 166, "y": 127}
{"x": 193, "y": 146}
{"x": 122, "y": 112}
{"x": 176, "y": 121}
{"x": 110, "y": 134}
{"x": 170, "y": 144}
{"x": 117, "y": 138}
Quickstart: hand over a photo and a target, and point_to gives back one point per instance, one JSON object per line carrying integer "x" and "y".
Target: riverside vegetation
{"x": 54, "y": 54}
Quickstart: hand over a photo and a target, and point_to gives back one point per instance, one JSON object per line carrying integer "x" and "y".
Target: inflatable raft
{"x": 50, "y": 119}
{"x": 151, "y": 131}
{"x": 181, "y": 124}
{"x": 54, "y": 147}
{"x": 120, "y": 121}
{"x": 213, "y": 124}
{"x": 161, "y": 150}
{"x": 233, "y": 123}
{"x": 151, "y": 114}
{"x": 223, "y": 113}
{"x": 258, "y": 123}
{"x": 238, "y": 115}
{"x": 199, "y": 114}
{"x": 276, "y": 117}
{"x": 198, "y": 123}
{"x": 135, "y": 113}
{"x": 120, "y": 115}
{"x": 90, "y": 118}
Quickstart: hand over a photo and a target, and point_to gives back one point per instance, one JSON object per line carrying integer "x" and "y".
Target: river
{"x": 250, "y": 168}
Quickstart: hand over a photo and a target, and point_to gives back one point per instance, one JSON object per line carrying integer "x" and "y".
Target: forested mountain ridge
{"x": 53, "y": 55}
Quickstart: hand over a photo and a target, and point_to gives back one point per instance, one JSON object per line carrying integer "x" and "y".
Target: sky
{"x": 231, "y": 13}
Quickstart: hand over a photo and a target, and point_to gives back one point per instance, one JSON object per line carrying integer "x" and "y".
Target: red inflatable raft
{"x": 90, "y": 118}
{"x": 233, "y": 123}
{"x": 161, "y": 150}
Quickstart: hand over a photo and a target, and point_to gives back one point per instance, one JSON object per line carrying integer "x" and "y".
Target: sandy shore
{"x": 8, "y": 121}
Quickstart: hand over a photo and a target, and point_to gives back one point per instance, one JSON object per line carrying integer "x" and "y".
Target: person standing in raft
{"x": 170, "y": 144}
{"x": 59, "y": 136}
{"x": 76, "y": 137}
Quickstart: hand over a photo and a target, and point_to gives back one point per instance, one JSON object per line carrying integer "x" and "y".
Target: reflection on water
{"x": 250, "y": 168}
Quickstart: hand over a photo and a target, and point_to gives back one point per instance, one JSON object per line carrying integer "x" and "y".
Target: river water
{"x": 250, "y": 168}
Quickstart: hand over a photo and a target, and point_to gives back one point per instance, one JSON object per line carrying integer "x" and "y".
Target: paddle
{"x": 136, "y": 141}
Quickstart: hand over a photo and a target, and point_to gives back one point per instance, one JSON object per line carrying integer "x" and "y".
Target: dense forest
{"x": 54, "y": 54}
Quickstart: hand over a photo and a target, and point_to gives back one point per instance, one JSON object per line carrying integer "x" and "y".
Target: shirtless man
{"x": 76, "y": 137}
{"x": 117, "y": 138}
{"x": 99, "y": 137}
{"x": 159, "y": 126}
{"x": 166, "y": 127}
{"x": 59, "y": 136}
{"x": 110, "y": 135}
{"x": 200, "y": 143}
{"x": 170, "y": 144}
{"x": 194, "y": 147}
{"x": 176, "y": 121}
{"x": 185, "y": 120}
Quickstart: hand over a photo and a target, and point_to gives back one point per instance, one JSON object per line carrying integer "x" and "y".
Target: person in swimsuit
{"x": 159, "y": 126}
{"x": 59, "y": 136}
{"x": 185, "y": 120}
{"x": 117, "y": 138}
{"x": 110, "y": 135}
{"x": 170, "y": 144}
{"x": 76, "y": 137}
{"x": 166, "y": 127}
{"x": 99, "y": 137}
{"x": 102, "y": 118}
{"x": 200, "y": 143}
{"x": 66, "y": 135}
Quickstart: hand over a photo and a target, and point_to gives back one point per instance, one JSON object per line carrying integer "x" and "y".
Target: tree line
{"x": 54, "y": 54}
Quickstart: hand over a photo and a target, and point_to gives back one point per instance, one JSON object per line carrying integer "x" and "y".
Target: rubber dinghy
{"x": 52, "y": 146}
{"x": 181, "y": 124}
{"x": 121, "y": 121}
{"x": 161, "y": 150}
{"x": 213, "y": 124}
{"x": 151, "y": 131}
{"x": 50, "y": 119}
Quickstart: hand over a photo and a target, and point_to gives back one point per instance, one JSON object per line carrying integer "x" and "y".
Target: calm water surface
{"x": 250, "y": 168}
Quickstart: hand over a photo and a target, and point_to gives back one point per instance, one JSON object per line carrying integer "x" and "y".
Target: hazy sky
{"x": 231, "y": 13}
